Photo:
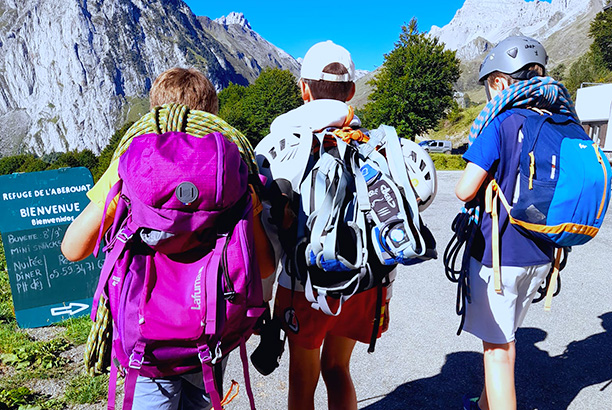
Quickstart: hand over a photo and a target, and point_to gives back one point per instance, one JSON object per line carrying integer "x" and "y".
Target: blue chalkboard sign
{"x": 35, "y": 211}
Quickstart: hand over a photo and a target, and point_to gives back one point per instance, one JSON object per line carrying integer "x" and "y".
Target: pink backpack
{"x": 180, "y": 272}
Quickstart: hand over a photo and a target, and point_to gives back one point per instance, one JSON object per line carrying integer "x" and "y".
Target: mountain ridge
{"x": 494, "y": 20}
{"x": 73, "y": 72}
{"x": 561, "y": 25}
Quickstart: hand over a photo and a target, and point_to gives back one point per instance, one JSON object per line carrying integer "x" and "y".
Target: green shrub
{"x": 22, "y": 398}
{"x": 444, "y": 162}
{"x": 15, "y": 398}
{"x": 37, "y": 355}
{"x": 6, "y": 298}
{"x": 413, "y": 89}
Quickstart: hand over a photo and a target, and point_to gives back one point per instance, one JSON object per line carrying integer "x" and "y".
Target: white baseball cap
{"x": 320, "y": 56}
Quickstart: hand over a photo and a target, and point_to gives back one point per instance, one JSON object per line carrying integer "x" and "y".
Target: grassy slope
{"x": 363, "y": 90}
{"x": 43, "y": 368}
{"x": 456, "y": 128}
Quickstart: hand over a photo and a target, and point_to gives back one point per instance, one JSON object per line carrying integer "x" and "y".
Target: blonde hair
{"x": 186, "y": 86}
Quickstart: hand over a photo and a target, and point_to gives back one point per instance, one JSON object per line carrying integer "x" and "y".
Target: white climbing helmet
{"x": 421, "y": 171}
{"x": 285, "y": 156}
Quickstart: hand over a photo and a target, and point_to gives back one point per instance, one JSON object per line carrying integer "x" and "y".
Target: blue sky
{"x": 368, "y": 29}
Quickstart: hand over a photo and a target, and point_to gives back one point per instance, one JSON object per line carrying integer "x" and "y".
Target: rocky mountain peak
{"x": 234, "y": 18}
{"x": 494, "y": 20}
{"x": 72, "y": 72}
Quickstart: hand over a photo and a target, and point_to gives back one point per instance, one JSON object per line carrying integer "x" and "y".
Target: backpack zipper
{"x": 228, "y": 292}
{"x": 603, "y": 167}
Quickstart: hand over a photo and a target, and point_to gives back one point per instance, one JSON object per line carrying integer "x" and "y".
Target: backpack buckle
{"x": 204, "y": 354}
{"x": 218, "y": 353}
{"x": 125, "y": 235}
{"x": 136, "y": 359}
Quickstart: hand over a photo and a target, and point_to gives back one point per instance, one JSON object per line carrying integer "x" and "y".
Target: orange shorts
{"x": 308, "y": 327}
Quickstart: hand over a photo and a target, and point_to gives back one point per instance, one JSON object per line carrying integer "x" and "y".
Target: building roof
{"x": 594, "y": 103}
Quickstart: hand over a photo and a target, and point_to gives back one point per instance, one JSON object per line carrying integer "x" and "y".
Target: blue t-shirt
{"x": 497, "y": 150}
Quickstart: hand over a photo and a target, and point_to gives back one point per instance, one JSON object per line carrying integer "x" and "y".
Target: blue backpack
{"x": 564, "y": 183}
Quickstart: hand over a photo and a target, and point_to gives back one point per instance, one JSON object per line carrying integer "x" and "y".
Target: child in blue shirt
{"x": 494, "y": 316}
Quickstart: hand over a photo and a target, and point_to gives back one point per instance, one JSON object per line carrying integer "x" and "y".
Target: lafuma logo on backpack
{"x": 197, "y": 292}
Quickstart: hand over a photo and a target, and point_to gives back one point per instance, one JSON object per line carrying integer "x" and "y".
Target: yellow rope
{"x": 98, "y": 347}
{"x": 176, "y": 117}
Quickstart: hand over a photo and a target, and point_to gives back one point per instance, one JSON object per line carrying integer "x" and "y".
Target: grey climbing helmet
{"x": 511, "y": 55}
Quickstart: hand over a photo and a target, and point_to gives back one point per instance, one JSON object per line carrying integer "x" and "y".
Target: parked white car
{"x": 441, "y": 146}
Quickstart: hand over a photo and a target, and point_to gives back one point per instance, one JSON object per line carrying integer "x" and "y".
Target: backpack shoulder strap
{"x": 114, "y": 191}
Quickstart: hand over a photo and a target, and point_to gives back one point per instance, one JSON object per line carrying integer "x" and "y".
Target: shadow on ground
{"x": 543, "y": 382}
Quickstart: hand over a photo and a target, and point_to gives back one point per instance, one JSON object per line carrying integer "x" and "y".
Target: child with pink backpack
{"x": 181, "y": 277}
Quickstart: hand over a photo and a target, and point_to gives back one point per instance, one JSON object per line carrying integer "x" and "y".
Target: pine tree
{"x": 601, "y": 33}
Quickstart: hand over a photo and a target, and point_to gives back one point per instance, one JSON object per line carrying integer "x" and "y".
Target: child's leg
{"x": 335, "y": 368}
{"x": 304, "y": 369}
{"x": 499, "y": 391}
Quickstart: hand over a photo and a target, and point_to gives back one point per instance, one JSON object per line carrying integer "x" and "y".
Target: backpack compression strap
{"x": 319, "y": 301}
{"x": 553, "y": 280}
{"x": 329, "y": 183}
{"x": 392, "y": 166}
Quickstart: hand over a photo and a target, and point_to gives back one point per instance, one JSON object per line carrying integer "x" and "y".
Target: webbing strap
{"x": 553, "y": 280}
{"x": 208, "y": 376}
{"x": 107, "y": 269}
{"x": 361, "y": 186}
{"x": 211, "y": 271}
{"x": 320, "y": 300}
{"x": 135, "y": 363}
{"x": 331, "y": 185}
{"x": 531, "y": 169}
{"x": 331, "y": 227}
{"x": 129, "y": 387}
{"x": 114, "y": 191}
{"x": 605, "y": 172}
{"x": 211, "y": 388}
{"x": 399, "y": 174}
{"x": 245, "y": 370}
{"x": 378, "y": 317}
{"x": 112, "y": 383}
{"x": 491, "y": 206}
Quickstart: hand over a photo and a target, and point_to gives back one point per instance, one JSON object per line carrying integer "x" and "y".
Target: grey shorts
{"x": 182, "y": 392}
{"x": 171, "y": 393}
{"x": 495, "y": 317}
